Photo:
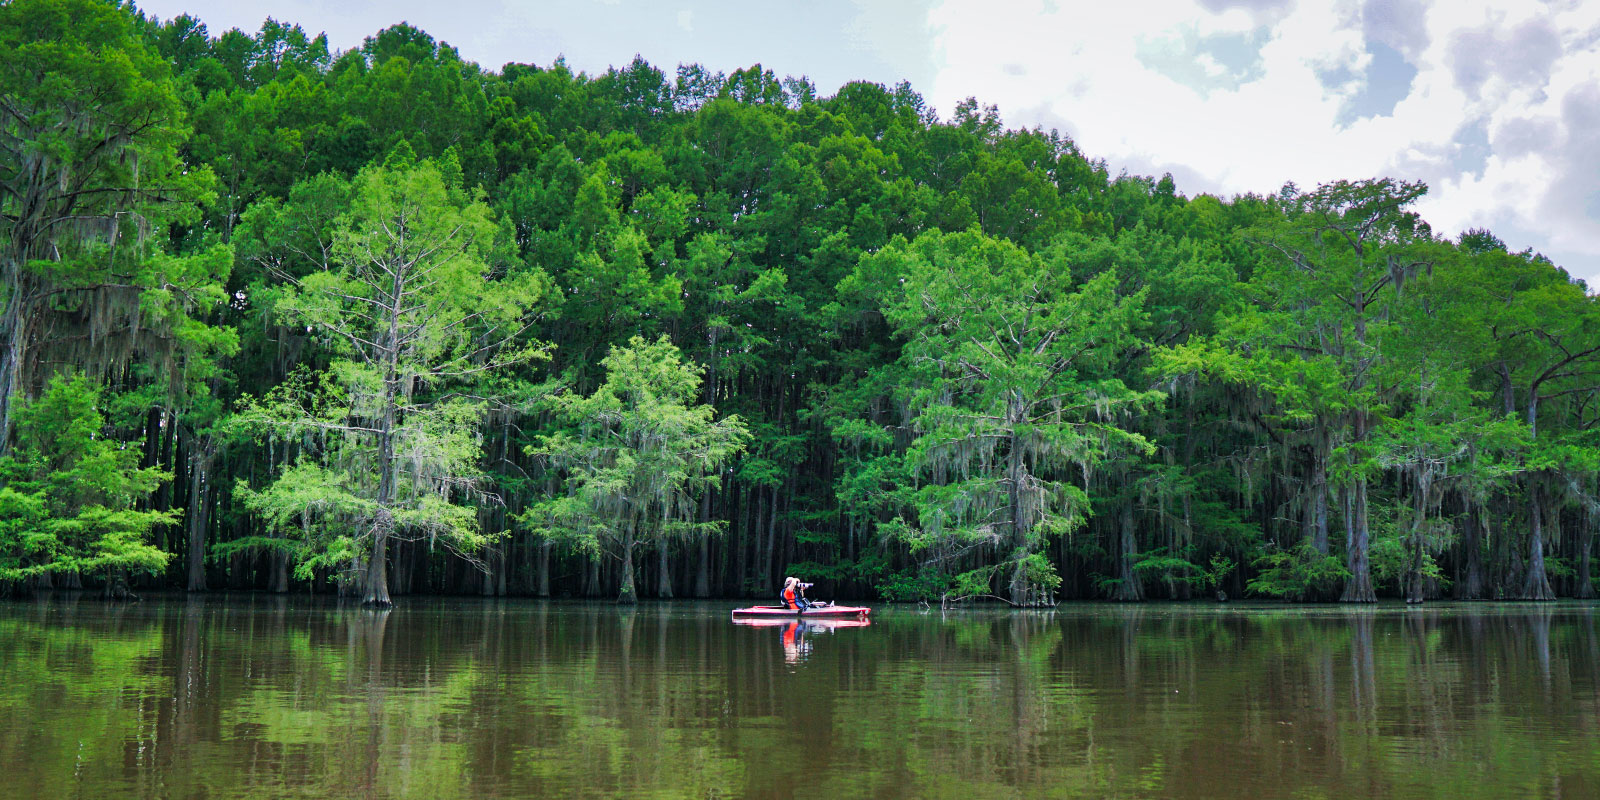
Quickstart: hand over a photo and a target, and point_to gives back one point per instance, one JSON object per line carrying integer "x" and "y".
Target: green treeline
{"x": 383, "y": 321}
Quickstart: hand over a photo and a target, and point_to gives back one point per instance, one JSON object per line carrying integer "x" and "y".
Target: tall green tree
{"x": 415, "y": 302}
{"x": 1548, "y": 331}
{"x": 90, "y": 129}
{"x": 1444, "y": 439}
{"x": 1323, "y": 290}
{"x": 1011, "y": 395}
{"x": 636, "y": 453}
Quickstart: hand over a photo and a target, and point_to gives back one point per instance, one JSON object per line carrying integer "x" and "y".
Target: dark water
{"x": 445, "y": 699}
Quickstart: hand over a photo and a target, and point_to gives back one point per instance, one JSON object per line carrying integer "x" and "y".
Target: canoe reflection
{"x": 794, "y": 633}
{"x": 811, "y": 625}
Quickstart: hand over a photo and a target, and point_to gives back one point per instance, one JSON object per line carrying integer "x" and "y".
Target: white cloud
{"x": 1528, "y": 74}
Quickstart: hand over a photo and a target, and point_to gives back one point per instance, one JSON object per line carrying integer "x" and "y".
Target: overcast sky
{"x": 1496, "y": 105}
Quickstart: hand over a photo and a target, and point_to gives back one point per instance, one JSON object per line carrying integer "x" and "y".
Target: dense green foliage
{"x": 67, "y": 507}
{"x": 635, "y": 454}
{"x": 378, "y": 321}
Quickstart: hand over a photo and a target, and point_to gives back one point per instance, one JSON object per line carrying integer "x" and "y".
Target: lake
{"x": 275, "y": 697}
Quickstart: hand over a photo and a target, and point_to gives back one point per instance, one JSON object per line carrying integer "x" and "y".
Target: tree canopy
{"x": 385, "y": 321}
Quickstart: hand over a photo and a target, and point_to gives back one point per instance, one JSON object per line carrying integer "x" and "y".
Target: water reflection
{"x": 287, "y": 697}
{"x": 794, "y": 631}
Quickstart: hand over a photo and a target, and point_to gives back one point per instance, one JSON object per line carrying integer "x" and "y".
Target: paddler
{"x": 794, "y": 594}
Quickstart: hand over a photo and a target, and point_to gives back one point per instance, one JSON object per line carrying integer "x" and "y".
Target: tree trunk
{"x": 405, "y": 568}
{"x": 166, "y": 457}
{"x": 1016, "y": 473}
{"x": 1358, "y": 589}
{"x": 523, "y": 554}
{"x": 492, "y": 562}
{"x": 152, "y": 438}
{"x": 542, "y": 580}
{"x": 199, "y": 489}
{"x": 500, "y": 575}
{"x": 376, "y": 591}
{"x": 11, "y": 343}
{"x": 117, "y": 586}
{"x": 702, "y": 568}
{"x": 1585, "y": 544}
{"x": 280, "y": 571}
{"x": 1318, "y": 511}
{"x": 774, "y": 570}
{"x": 1471, "y": 584}
{"x": 1129, "y": 589}
{"x": 663, "y": 573}
{"x": 1537, "y": 584}
{"x": 627, "y": 595}
{"x": 1414, "y": 593}
{"x": 741, "y": 551}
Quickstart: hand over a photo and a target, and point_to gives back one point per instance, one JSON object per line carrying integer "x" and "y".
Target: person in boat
{"x": 794, "y": 594}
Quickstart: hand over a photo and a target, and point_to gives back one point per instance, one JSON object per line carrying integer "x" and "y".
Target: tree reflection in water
{"x": 290, "y": 697}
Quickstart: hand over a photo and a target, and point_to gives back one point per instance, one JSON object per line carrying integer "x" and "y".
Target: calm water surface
{"x": 442, "y": 699}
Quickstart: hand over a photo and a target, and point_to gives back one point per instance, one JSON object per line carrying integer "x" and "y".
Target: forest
{"x": 384, "y": 322}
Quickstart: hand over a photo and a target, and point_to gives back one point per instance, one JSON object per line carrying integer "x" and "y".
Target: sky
{"x": 1495, "y": 104}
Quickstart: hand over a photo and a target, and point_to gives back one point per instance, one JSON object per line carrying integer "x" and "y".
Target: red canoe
{"x": 813, "y": 612}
